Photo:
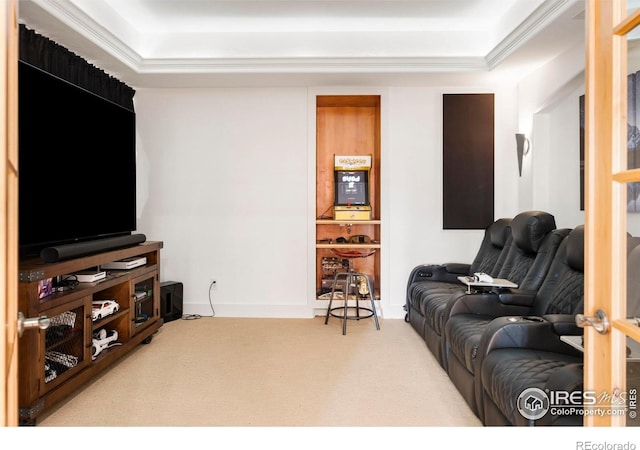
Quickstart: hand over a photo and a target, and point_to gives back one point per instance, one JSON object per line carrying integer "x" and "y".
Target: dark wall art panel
{"x": 468, "y": 160}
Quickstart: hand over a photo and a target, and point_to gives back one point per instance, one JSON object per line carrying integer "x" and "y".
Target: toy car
{"x": 103, "y": 308}
{"x": 103, "y": 340}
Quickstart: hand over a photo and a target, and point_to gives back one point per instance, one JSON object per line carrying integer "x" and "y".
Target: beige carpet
{"x": 230, "y": 372}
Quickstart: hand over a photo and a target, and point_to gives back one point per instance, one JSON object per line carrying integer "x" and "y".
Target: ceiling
{"x": 175, "y": 43}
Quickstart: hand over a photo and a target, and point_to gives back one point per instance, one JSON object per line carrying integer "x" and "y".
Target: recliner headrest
{"x": 499, "y": 232}
{"x": 529, "y": 229}
{"x": 575, "y": 248}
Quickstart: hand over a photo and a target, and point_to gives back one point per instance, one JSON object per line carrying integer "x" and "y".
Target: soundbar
{"x": 77, "y": 249}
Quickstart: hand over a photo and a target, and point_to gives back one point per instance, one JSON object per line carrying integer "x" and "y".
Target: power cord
{"x": 198, "y": 316}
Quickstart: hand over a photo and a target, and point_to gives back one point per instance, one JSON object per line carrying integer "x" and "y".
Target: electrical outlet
{"x": 212, "y": 283}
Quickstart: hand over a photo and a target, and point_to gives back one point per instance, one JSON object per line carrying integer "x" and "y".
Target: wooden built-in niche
{"x": 347, "y": 125}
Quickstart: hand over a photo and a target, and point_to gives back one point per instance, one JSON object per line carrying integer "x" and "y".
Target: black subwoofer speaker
{"x": 171, "y": 300}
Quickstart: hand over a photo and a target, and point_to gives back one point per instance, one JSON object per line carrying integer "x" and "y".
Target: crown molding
{"x": 528, "y": 28}
{"x": 314, "y": 65}
{"x": 68, "y": 14}
{"x": 76, "y": 19}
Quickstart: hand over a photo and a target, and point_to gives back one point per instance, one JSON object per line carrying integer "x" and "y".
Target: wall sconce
{"x": 522, "y": 147}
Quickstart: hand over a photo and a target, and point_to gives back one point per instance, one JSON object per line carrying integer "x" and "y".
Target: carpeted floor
{"x": 235, "y": 372}
{"x": 286, "y": 384}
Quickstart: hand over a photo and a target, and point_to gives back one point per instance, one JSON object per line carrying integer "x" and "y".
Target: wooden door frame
{"x": 606, "y": 178}
{"x": 9, "y": 206}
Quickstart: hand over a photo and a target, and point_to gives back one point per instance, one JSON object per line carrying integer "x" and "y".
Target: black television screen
{"x": 77, "y": 163}
{"x": 351, "y": 187}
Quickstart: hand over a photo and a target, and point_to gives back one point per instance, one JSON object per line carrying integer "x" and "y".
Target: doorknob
{"x": 42, "y": 322}
{"x": 600, "y": 321}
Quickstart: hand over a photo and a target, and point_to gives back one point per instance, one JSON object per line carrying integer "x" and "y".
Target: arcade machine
{"x": 351, "y": 174}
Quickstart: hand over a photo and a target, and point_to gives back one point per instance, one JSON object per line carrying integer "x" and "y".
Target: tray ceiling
{"x": 210, "y": 42}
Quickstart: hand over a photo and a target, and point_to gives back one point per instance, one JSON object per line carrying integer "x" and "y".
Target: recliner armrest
{"x": 458, "y": 269}
{"x": 436, "y": 272}
{"x": 516, "y": 297}
{"x": 486, "y": 303}
{"x": 564, "y": 324}
{"x": 523, "y": 332}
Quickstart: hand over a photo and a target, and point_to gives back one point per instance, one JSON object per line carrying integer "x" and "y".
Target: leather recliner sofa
{"x": 526, "y": 352}
{"x": 531, "y": 255}
{"x": 520, "y": 354}
{"x": 431, "y": 285}
{"x": 519, "y": 345}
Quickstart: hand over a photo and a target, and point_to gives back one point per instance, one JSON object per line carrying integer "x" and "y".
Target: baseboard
{"x": 279, "y": 311}
{"x": 253, "y": 311}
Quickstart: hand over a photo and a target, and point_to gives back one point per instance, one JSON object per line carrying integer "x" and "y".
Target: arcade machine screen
{"x": 351, "y": 187}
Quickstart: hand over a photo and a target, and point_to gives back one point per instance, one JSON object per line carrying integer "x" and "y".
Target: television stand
{"x": 57, "y": 361}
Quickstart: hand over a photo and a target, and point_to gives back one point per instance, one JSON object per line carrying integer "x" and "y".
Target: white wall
{"x": 556, "y": 161}
{"x": 223, "y": 183}
{"x": 548, "y": 112}
{"x": 226, "y": 181}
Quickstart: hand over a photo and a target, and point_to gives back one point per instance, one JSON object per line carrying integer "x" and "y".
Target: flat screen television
{"x": 351, "y": 188}
{"x": 76, "y": 163}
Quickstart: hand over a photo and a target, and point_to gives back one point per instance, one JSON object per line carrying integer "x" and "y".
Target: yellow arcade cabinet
{"x": 351, "y": 175}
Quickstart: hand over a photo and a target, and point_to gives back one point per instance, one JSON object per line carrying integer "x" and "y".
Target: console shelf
{"x": 74, "y": 349}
